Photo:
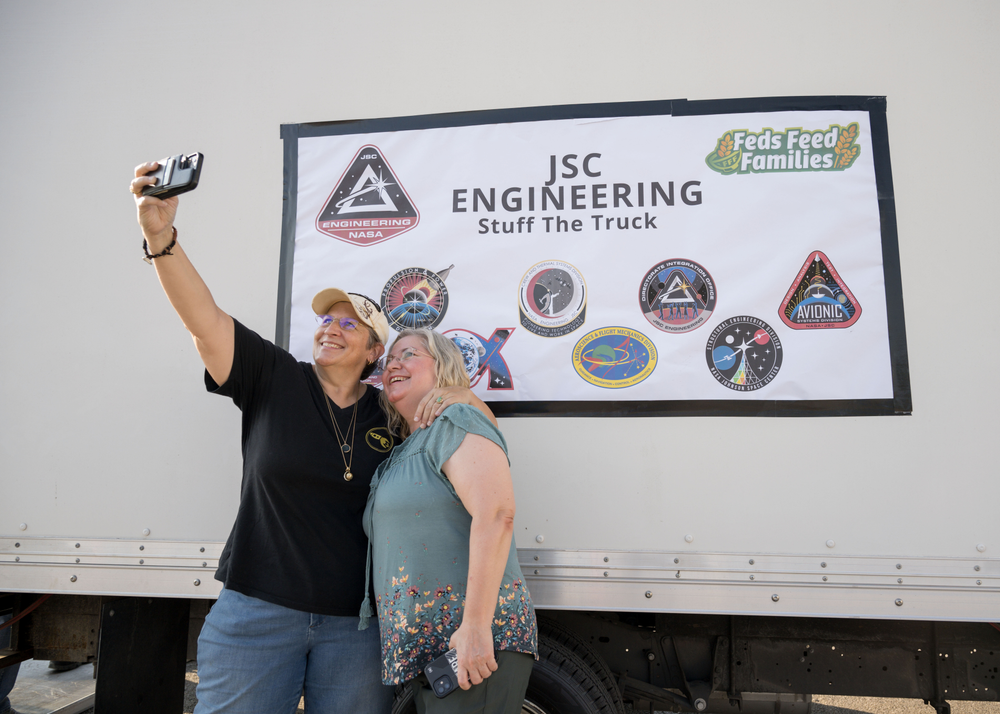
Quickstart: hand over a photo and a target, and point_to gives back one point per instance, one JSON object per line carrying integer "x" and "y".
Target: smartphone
{"x": 176, "y": 175}
{"x": 442, "y": 673}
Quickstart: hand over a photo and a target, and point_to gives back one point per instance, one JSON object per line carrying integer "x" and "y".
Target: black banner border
{"x": 901, "y": 403}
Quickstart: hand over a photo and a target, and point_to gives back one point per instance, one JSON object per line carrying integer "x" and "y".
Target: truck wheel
{"x": 561, "y": 683}
{"x": 552, "y": 630}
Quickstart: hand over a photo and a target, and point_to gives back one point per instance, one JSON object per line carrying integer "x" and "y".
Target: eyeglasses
{"x": 346, "y": 323}
{"x": 403, "y": 356}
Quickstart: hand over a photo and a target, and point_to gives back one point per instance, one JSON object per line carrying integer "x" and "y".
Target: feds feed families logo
{"x": 614, "y": 357}
{"x": 743, "y": 152}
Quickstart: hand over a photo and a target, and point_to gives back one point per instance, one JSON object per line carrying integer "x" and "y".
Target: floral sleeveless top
{"x": 419, "y": 531}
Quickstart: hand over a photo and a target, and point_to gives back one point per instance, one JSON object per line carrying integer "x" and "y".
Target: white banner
{"x": 628, "y": 258}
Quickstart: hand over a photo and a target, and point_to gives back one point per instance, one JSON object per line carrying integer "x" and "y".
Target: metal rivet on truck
{"x": 976, "y": 568}
{"x": 899, "y": 603}
{"x": 145, "y": 531}
{"x": 649, "y": 593}
{"x": 539, "y": 538}
{"x": 831, "y": 543}
{"x": 688, "y": 538}
{"x": 197, "y": 582}
{"x": 981, "y": 547}
{"x": 774, "y": 598}
{"x": 72, "y": 578}
{"x": 24, "y": 527}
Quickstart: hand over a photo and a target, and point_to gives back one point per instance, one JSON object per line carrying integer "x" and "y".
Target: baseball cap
{"x": 368, "y": 310}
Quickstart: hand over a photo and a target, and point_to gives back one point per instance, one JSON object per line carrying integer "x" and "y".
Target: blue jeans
{"x": 254, "y": 656}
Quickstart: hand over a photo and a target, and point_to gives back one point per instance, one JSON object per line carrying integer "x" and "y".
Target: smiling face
{"x": 411, "y": 379}
{"x": 333, "y": 346}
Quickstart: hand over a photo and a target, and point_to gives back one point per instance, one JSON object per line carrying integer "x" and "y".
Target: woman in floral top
{"x": 440, "y": 522}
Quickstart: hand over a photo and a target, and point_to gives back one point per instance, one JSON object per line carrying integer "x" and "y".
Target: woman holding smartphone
{"x": 440, "y": 522}
{"x": 293, "y": 568}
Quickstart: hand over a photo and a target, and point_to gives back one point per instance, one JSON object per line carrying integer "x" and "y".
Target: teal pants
{"x": 500, "y": 693}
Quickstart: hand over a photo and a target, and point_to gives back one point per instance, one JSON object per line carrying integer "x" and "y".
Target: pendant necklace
{"x": 345, "y": 448}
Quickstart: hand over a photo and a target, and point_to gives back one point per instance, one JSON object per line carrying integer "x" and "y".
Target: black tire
{"x": 561, "y": 683}
{"x": 403, "y": 703}
{"x": 553, "y": 631}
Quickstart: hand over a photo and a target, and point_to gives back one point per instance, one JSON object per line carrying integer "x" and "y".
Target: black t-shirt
{"x": 297, "y": 540}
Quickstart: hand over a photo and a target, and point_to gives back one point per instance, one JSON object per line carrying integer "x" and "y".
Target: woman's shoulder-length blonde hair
{"x": 449, "y": 370}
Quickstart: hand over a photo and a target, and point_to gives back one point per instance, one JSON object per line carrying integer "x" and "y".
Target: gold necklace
{"x": 345, "y": 448}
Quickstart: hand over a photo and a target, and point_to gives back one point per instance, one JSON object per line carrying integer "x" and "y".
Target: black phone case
{"x": 442, "y": 674}
{"x": 177, "y": 174}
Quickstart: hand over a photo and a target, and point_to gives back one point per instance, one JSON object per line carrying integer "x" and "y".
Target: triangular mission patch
{"x": 369, "y": 205}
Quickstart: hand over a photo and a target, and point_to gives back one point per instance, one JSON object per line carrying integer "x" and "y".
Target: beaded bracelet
{"x": 166, "y": 251}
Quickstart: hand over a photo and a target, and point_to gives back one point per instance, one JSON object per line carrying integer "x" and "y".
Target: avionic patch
{"x": 677, "y": 296}
{"x": 369, "y": 204}
{"x": 482, "y": 356}
{"x": 614, "y": 357}
{"x": 415, "y": 297}
{"x": 743, "y": 353}
{"x": 818, "y": 299}
{"x": 769, "y": 151}
{"x": 552, "y": 299}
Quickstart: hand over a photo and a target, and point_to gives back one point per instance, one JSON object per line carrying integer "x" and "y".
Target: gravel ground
{"x": 876, "y": 705}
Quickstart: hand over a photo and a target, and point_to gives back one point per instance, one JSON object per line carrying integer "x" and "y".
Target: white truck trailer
{"x": 683, "y": 551}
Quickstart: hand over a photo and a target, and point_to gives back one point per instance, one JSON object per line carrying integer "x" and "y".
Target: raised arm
{"x": 479, "y": 472}
{"x": 211, "y": 328}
